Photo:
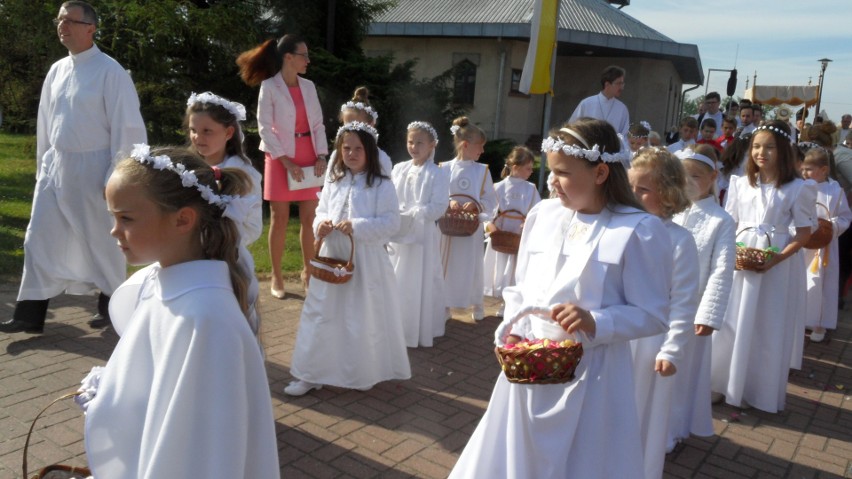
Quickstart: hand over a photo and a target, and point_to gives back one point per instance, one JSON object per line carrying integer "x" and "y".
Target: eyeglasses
{"x": 307, "y": 57}
{"x": 60, "y": 21}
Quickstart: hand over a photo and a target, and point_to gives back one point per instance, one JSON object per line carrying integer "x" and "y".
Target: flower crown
{"x": 357, "y": 105}
{"x": 646, "y": 125}
{"x": 773, "y": 129}
{"x": 422, "y": 125}
{"x": 142, "y": 153}
{"x": 234, "y": 108}
{"x": 454, "y": 129}
{"x": 357, "y": 125}
{"x": 592, "y": 154}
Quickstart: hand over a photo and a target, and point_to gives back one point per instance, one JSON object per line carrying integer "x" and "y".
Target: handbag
{"x": 310, "y": 180}
{"x": 54, "y": 471}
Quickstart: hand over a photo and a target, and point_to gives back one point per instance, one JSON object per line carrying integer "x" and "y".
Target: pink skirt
{"x": 275, "y": 175}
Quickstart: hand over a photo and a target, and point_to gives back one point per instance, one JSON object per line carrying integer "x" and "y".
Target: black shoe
{"x": 101, "y": 319}
{"x": 99, "y": 322}
{"x": 15, "y": 326}
{"x": 28, "y": 317}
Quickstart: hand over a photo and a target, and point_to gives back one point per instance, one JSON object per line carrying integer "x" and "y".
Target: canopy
{"x": 778, "y": 95}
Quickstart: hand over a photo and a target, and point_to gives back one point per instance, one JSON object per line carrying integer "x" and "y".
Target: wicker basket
{"x": 331, "y": 270}
{"x": 824, "y": 233}
{"x": 750, "y": 259}
{"x": 505, "y": 241}
{"x": 541, "y": 365}
{"x": 460, "y": 222}
{"x": 537, "y": 362}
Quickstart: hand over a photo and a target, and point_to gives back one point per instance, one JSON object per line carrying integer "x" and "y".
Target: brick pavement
{"x": 415, "y": 428}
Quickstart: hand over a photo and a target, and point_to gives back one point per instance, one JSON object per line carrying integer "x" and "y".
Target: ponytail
{"x": 266, "y": 60}
{"x": 220, "y": 237}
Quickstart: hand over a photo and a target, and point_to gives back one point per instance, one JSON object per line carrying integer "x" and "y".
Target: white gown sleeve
{"x": 123, "y": 116}
{"x": 731, "y": 200}
{"x": 488, "y": 199}
{"x": 439, "y": 199}
{"x": 322, "y": 212}
{"x": 43, "y": 125}
{"x": 714, "y": 299}
{"x": 684, "y": 300}
{"x": 804, "y": 207}
{"x": 843, "y": 215}
{"x": 385, "y": 223}
{"x": 647, "y": 279}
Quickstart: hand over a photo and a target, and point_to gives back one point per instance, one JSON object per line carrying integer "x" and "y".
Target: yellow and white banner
{"x": 536, "y": 75}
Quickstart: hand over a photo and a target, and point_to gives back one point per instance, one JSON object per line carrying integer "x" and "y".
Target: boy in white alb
{"x": 822, "y": 264}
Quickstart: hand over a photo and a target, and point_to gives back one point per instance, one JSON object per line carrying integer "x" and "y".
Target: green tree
{"x": 175, "y": 47}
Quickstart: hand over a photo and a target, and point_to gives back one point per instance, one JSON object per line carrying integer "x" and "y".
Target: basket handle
{"x": 520, "y": 216}
{"x": 768, "y": 238}
{"x": 32, "y": 426}
{"x": 505, "y": 328}
{"x": 827, "y": 211}
{"x": 478, "y": 206}
{"x": 351, "y": 248}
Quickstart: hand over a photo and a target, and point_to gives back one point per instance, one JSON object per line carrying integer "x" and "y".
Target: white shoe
{"x": 478, "y": 313}
{"x": 276, "y": 293}
{"x": 300, "y": 388}
{"x": 817, "y": 336}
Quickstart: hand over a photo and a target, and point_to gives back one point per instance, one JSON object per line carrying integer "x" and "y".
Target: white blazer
{"x": 276, "y": 117}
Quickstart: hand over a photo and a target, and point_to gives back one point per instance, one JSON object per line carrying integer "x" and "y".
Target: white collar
{"x": 84, "y": 55}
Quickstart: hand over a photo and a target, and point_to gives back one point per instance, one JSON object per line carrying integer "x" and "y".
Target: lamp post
{"x": 824, "y": 62}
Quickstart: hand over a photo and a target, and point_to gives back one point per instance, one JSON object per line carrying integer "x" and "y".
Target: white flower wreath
{"x": 592, "y": 154}
{"x": 357, "y": 125}
{"x": 422, "y": 125}
{"x": 236, "y": 109}
{"x": 357, "y": 105}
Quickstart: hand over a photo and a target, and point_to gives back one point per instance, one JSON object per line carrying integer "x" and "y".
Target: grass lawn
{"x": 17, "y": 181}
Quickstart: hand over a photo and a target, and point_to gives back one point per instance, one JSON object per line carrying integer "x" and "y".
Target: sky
{"x": 782, "y": 40}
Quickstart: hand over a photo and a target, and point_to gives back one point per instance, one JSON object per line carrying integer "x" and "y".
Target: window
{"x": 465, "y": 82}
{"x": 515, "y": 87}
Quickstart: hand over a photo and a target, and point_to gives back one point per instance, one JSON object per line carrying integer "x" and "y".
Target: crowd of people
{"x": 643, "y": 254}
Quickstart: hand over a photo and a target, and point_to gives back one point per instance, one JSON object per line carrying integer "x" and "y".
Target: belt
{"x": 299, "y": 135}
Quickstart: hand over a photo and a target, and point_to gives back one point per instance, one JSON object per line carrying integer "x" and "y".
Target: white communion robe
{"x": 250, "y": 231}
{"x": 714, "y": 232}
{"x": 185, "y": 392}
{"x": 88, "y": 115}
{"x": 610, "y": 110}
{"x": 424, "y": 193}
{"x": 462, "y": 256}
{"x": 351, "y": 334}
{"x": 654, "y": 392}
{"x": 618, "y": 266}
{"x": 822, "y": 264}
{"x": 752, "y": 352}
{"x": 499, "y": 268}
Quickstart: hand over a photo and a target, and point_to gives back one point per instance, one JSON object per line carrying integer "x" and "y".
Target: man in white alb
{"x": 605, "y": 105}
{"x": 87, "y": 116}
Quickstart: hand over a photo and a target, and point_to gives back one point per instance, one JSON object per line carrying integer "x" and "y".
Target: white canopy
{"x": 778, "y": 95}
